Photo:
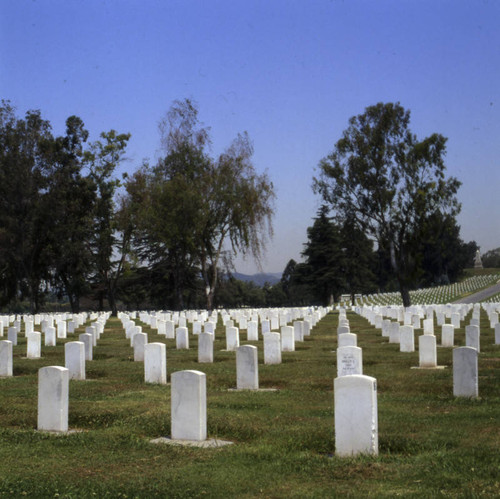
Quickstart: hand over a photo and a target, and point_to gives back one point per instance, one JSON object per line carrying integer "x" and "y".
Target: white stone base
{"x": 252, "y": 390}
{"x": 60, "y": 433}
{"x": 429, "y": 368}
{"x": 206, "y": 444}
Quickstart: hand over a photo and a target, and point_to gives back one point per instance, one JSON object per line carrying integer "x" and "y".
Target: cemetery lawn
{"x": 430, "y": 443}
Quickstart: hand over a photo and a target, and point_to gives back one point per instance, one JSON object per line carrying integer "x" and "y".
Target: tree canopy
{"x": 389, "y": 182}
{"x": 166, "y": 236}
{"x": 197, "y": 212}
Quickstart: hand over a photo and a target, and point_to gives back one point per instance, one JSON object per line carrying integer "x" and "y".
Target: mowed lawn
{"x": 430, "y": 443}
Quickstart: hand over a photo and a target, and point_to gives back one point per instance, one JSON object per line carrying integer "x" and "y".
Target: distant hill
{"x": 259, "y": 279}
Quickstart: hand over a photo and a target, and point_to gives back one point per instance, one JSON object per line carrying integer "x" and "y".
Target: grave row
{"x": 438, "y": 294}
{"x": 356, "y": 426}
{"x": 465, "y": 359}
{"x": 188, "y": 394}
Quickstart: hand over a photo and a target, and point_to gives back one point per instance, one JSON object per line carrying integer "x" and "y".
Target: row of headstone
{"x": 435, "y": 295}
{"x": 356, "y": 417}
{"x": 247, "y": 319}
{"x": 273, "y": 343}
{"x": 465, "y": 365}
{"x": 76, "y": 352}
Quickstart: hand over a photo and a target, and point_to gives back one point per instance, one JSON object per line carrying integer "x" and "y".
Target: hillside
{"x": 259, "y": 279}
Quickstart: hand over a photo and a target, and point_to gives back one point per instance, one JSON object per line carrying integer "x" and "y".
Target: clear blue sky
{"x": 291, "y": 73}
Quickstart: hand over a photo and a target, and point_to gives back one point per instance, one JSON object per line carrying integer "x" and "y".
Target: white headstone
{"x": 182, "y": 338}
{"x": 74, "y": 359}
{"x": 93, "y": 332}
{"x": 415, "y": 319}
{"x": 50, "y": 336}
{"x": 209, "y": 327}
{"x": 189, "y": 405}
{"x": 394, "y": 333}
{"x": 205, "y": 347}
{"x": 139, "y": 342}
{"x": 406, "y": 339}
{"x": 343, "y": 330}
{"x": 465, "y": 372}
{"x": 232, "y": 338}
{"x": 170, "y": 330}
{"x": 298, "y": 330}
{"x": 34, "y": 345}
{"x": 196, "y": 327}
{"x": 386, "y": 324}
{"x": 155, "y": 363}
{"x": 87, "y": 340}
{"x": 472, "y": 337}
{"x": 356, "y": 417}
{"x": 347, "y": 340}
{"x": 349, "y": 361}
{"x": 247, "y": 369}
{"x": 447, "y": 335}
{"x": 5, "y": 358}
{"x": 266, "y": 326}
{"x": 61, "y": 329}
{"x": 427, "y": 350}
{"x": 272, "y": 348}
{"x": 53, "y": 395}
{"x": 428, "y": 326}
{"x": 252, "y": 331}
{"x": 12, "y": 335}
{"x": 287, "y": 339}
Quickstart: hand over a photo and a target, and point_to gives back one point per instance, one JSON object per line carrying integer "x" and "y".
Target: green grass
{"x": 430, "y": 444}
{"x": 473, "y": 272}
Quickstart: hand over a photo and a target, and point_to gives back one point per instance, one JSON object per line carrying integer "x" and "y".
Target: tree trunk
{"x": 210, "y": 300}
{"x": 112, "y": 300}
{"x": 73, "y": 303}
{"x": 405, "y": 294}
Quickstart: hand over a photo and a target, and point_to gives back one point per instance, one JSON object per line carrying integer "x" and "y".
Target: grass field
{"x": 430, "y": 444}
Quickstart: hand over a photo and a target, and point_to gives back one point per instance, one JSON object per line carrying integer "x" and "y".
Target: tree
{"x": 68, "y": 213}
{"x": 193, "y": 205}
{"x": 444, "y": 255}
{"x": 287, "y": 278}
{"x": 112, "y": 229}
{"x": 491, "y": 259}
{"x": 389, "y": 183}
{"x": 324, "y": 258}
{"x": 359, "y": 259}
{"x": 237, "y": 210}
{"x": 24, "y": 269}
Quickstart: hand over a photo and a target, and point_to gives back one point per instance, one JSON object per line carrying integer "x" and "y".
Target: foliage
{"x": 491, "y": 259}
{"x": 58, "y": 223}
{"x": 444, "y": 254}
{"x": 70, "y": 204}
{"x": 389, "y": 182}
{"x": 112, "y": 230}
{"x": 324, "y": 259}
{"x": 339, "y": 259}
{"x": 191, "y": 205}
{"x": 23, "y": 205}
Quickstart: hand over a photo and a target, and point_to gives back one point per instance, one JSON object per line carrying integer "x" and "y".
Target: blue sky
{"x": 291, "y": 73}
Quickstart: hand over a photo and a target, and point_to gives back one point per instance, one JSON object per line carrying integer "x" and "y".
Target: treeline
{"x": 164, "y": 236}
{"x": 71, "y": 230}
{"x": 339, "y": 259}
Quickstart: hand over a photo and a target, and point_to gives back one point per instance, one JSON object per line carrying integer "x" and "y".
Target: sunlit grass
{"x": 430, "y": 443}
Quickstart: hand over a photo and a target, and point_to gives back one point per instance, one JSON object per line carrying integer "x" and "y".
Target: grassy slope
{"x": 473, "y": 272}
{"x": 430, "y": 443}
